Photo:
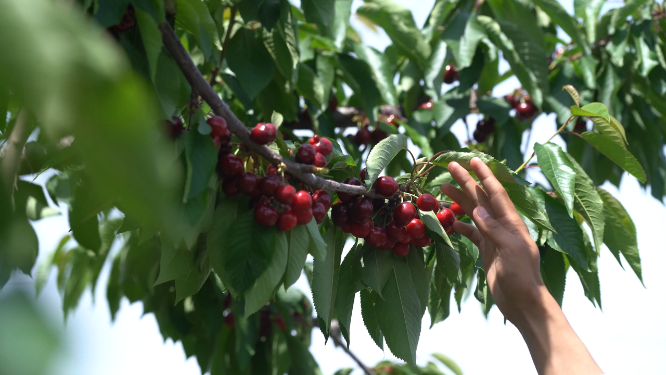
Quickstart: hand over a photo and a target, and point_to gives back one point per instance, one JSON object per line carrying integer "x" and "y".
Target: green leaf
{"x": 620, "y": 156}
{"x": 569, "y": 236}
{"x": 30, "y": 197}
{"x": 613, "y": 130}
{"x": 201, "y": 158}
{"x": 317, "y": 246}
{"x": 190, "y": 283}
{"x": 194, "y": 16}
{"x": 250, "y": 250}
{"x": 434, "y": 228}
{"x": 620, "y": 233}
{"x": 377, "y": 267}
{"x": 218, "y": 236}
{"x": 620, "y": 15}
{"x": 349, "y": 283}
{"x": 263, "y": 289}
{"x": 399, "y": 314}
{"x": 398, "y": 23}
{"x": 465, "y": 155}
{"x": 319, "y": 11}
{"x": 448, "y": 262}
{"x": 590, "y": 206}
{"x": 341, "y": 22}
{"x": 462, "y": 36}
{"x": 382, "y": 154}
{"x": 325, "y": 280}
{"x": 422, "y": 141}
{"x": 553, "y": 274}
{"x": 174, "y": 262}
{"x": 420, "y": 276}
{"x": 589, "y": 278}
{"x": 591, "y": 110}
{"x": 526, "y": 205}
{"x": 299, "y": 242}
{"x": 381, "y": 71}
{"x": 555, "y": 164}
{"x": 433, "y": 73}
{"x": 250, "y": 61}
{"x": 573, "y": 92}
{"x": 309, "y": 85}
{"x": 152, "y": 39}
{"x": 568, "y": 24}
{"x": 449, "y": 363}
{"x": 358, "y": 76}
{"x": 83, "y": 218}
{"x": 439, "y": 303}
{"x": 370, "y": 316}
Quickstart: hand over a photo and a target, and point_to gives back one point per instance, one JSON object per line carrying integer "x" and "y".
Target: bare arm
{"x": 511, "y": 261}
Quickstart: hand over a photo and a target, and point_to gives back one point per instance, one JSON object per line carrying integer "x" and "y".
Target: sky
{"x": 628, "y": 336}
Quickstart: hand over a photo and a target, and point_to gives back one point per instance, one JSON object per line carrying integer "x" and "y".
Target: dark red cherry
{"x": 360, "y": 230}
{"x": 324, "y": 146}
{"x": 285, "y": 194}
{"x": 306, "y": 154}
{"x": 486, "y": 126}
{"x": 263, "y": 133}
{"x": 363, "y": 136}
{"x": 265, "y": 215}
{"x": 271, "y": 169}
{"x": 526, "y": 109}
{"x": 322, "y": 197}
{"x": 363, "y": 174}
{"x": 174, "y": 127}
{"x": 231, "y": 166}
{"x": 247, "y": 183}
{"x": 450, "y": 231}
{"x": 304, "y": 216}
{"x": 450, "y": 74}
{"x": 386, "y": 186}
{"x": 446, "y": 217}
{"x": 340, "y": 214}
{"x": 320, "y": 160}
{"x": 401, "y": 249}
{"x": 404, "y": 213}
{"x": 346, "y": 228}
{"x": 229, "y": 186}
{"x": 376, "y": 237}
{"x": 388, "y": 245}
{"x": 511, "y": 99}
{"x": 426, "y": 202}
{"x": 378, "y": 135}
{"x": 346, "y": 197}
{"x": 319, "y": 212}
{"x": 416, "y": 228}
{"x": 362, "y": 210}
{"x": 269, "y": 185}
{"x": 287, "y": 221}
{"x": 479, "y": 136}
{"x": 395, "y": 232}
{"x": 218, "y": 126}
{"x": 422, "y": 242}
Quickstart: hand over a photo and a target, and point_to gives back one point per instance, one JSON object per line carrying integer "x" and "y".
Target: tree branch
{"x": 201, "y": 86}
{"x": 227, "y": 36}
{"x": 334, "y": 333}
{"x": 11, "y": 159}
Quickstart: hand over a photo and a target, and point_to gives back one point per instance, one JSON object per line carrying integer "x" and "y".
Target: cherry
{"x": 511, "y": 99}
{"x": 320, "y": 160}
{"x": 280, "y": 323}
{"x": 322, "y": 197}
{"x": 526, "y": 109}
{"x": 346, "y": 197}
{"x": 319, "y": 211}
{"x": 271, "y": 169}
{"x": 360, "y": 230}
{"x": 388, "y": 245}
{"x": 427, "y": 105}
{"x": 247, "y": 183}
{"x": 302, "y": 202}
{"x": 393, "y": 120}
{"x": 229, "y": 320}
{"x": 426, "y": 202}
{"x": 269, "y": 185}
{"x": 257, "y": 200}
{"x": 285, "y": 194}
{"x": 401, "y": 249}
{"x": 306, "y": 154}
{"x": 324, "y": 146}
{"x": 263, "y": 133}
{"x": 174, "y": 127}
{"x": 304, "y": 216}
{"x": 486, "y": 126}
{"x": 416, "y": 228}
{"x": 363, "y": 136}
{"x": 407, "y": 239}
{"x": 422, "y": 242}
{"x": 229, "y": 186}
{"x": 479, "y": 135}
{"x": 386, "y": 186}
{"x": 332, "y": 104}
{"x": 218, "y": 126}
{"x": 450, "y": 74}
{"x": 227, "y": 301}
{"x": 376, "y": 237}
{"x": 450, "y": 231}
{"x": 362, "y": 210}
{"x": 404, "y": 213}
{"x": 395, "y": 232}
{"x": 455, "y": 207}
{"x": 363, "y": 174}
{"x": 378, "y": 134}
{"x": 265, "y": 215}
{"x": 287, "y": 221}
{"x": 581, "y": 125}
{"x": 378, "y": 203}
{"x": 340, "y": 214}
{"x": 446, "y": 217}
{"x": 232, "y": 166}
{"x": 315, "y": 139}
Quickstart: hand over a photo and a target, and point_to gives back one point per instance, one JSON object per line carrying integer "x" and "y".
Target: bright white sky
{"x": 629, "y": 336}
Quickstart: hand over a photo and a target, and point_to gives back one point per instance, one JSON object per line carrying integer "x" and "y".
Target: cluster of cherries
{"x": 524, "y": 106}
{"x": 483, "y": 129}
{"x": 365, "y": 136}
{"x": 363, "y": 217}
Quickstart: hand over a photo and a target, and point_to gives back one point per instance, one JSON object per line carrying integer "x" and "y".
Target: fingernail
{"x": 482, "y": 213}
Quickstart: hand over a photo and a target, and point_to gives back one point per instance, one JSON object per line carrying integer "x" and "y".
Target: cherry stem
{"x": 561, "y": 129}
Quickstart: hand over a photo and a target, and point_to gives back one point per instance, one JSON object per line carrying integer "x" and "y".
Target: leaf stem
{"x": 227, "y": 36}
{"x": 522, "y": 166}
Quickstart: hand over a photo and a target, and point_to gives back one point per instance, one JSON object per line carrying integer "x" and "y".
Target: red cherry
{"x": 285, "y": 194}
{"x": 229, "y": 186}
{"x": 426, "y": 202}
{"x": 362, "y": 210}
{"x": 217, "y": 142}
{"x": 315, "y": 138}
{"x": 319, "y": 212}
{"x": 174, "y": 127}
{"x": 378, "y": 135}
{"x": 258, "y": 200}
{"x": 450, "y": 74}
{"x": 346, "y": 197}
{"x": 386, "y": 186}
{"x": 393, "y": 120}
{"x": 271, "y": 169}
{"x": 363, "y": 174}
{"x": 287, "y": 221}
{"x": 416, "y": 228}
{"x": 446, "y": 217}
{"x": 388, "y": 245}
{"x": 581, "y": 125}
{"x": 401, "y": 249}
{"x": 422, "y": 242}
{"x": 395, "y": 232}
{"x": 526, "y": 109}
{"x": 450, "y": 231}
{"x": 407, "y": 239}
{"x": 231, "y": 165}
{"x": 324, "y": 146}
{"x": 269, "y": 185}
{"x": 265, "y": 215}
{"x": 346, "y": 228}
{"x": 247, "y": 183}
{"x": 322, "y": 197}
{"x": 479, "y": 136}
{"x": 305, "y": 216}
{"x": 302, "y": 202}
{"x": 306, "y": 154}
{"x": 229, "y": 320}
{"x": 218, "y": 126}
{"x": 426, "y": 105}
{"x": 486, "y": 126}
{"x": 455, "y": 207}
{"x": 280, "y": 323}
{"x": 263, "y": 133}
{"x": 332, "y": 104}
{"x": 376, "y": 237}
{"x": 404, "y": 213}
{"x": 320, "y": 160}
{"x": 511, "y": 99}
{"x": 340, "y": 214}
{"x": 363, "y": 136}
{"x": 360, "y": 230}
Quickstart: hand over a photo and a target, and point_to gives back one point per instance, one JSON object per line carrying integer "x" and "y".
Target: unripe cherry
{"x": 426, "y": 202}
{"x": 302, "y": 202}
{"x": 416, "y": 228}
{"x": 263, "y": 133}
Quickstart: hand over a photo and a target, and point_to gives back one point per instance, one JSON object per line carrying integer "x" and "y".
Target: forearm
{"x": 553, "y": 344}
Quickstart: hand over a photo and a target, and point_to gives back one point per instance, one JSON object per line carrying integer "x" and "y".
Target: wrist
{"x": 540, "y": 308}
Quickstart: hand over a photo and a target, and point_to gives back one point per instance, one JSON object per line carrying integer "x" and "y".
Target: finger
{"x": 458, "y": 196}
{"x": 472, "y": 190}
{"x": 469, "y": 231}
{"x": 491, "y": 228}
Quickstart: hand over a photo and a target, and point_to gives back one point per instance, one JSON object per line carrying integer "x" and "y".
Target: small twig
{"x": 11, "y": 159}
{"x": 334, "y": 333}
{"x": 522, "y": 166}
{"x": 601, "y": 43}
{"x": 220, "y": 108}
{"x": 227, "y": 36}
{"x": 529, "y": 137}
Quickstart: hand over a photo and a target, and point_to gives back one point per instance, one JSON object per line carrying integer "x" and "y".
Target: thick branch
{"x": 201, "y": 86}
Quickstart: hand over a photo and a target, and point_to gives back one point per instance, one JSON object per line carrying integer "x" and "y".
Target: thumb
{"x": 490, "y": 227}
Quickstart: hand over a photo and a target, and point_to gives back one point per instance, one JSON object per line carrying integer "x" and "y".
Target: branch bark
{"x": 207, "y": 93}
